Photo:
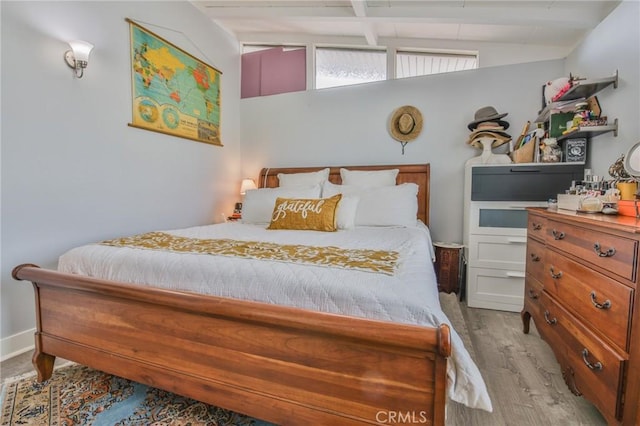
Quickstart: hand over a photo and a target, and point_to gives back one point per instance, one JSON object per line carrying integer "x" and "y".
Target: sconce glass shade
{"x": 78, "y": 57}
{"x": 246, "y": 185}
{"x": 81, "y": 50}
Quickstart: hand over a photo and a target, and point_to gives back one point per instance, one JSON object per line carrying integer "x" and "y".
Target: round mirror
{"x": 632, "y": 161}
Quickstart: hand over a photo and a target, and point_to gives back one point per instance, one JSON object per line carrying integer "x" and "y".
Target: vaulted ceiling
{"x": 413, "y": 23}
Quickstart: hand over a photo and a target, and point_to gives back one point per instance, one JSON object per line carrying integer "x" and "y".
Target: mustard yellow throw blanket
{"x": 379, "y": 261}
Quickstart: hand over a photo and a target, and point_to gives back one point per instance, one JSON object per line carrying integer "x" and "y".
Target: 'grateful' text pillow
{"x": 315, "y": 214}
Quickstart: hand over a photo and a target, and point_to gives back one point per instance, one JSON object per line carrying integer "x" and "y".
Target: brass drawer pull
{"x": 533, "y": 294}
{"x": 552, "y": 321}
{"x": 605, "y": 305}
{"x": 536, "y": 226}
{"x": 608, "y": 253}
{"x": 535, "y": 257}
{"x": 557, "y": 235}
{"x": 555, "y": 275}
{"x": 597, "y": 366}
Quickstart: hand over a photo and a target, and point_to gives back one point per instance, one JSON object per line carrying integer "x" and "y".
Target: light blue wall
{"x": 349, "y": 126}
{"x": 73, "y": 172}
{"x": 613, "y": 45}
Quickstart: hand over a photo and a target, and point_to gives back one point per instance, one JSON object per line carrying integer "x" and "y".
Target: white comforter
{"x": 409, "y": 296}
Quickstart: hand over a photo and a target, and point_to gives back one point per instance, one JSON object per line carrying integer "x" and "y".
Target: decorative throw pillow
{"x": 369, "y": 178}
{"x": 258, "y": 203}
{"x": 311, "y": 214}
{"x": 295, "y": 180}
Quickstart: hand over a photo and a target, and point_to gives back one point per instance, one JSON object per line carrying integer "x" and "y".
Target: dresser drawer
{"x": 535, "y": 260}
{"x": 536, "y": 227}
{"x": 603, "y": 303}
{"x": 497, "y": 251}
{"x": 611, "y": 252}
{"x": 590, "y": 367}
{"x": 532, "y": 294}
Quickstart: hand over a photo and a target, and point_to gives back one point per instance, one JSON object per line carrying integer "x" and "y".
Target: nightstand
{"x": 449, "y": 266}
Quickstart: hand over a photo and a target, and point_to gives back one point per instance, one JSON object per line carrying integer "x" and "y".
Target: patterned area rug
{"x": 78, "y": 395}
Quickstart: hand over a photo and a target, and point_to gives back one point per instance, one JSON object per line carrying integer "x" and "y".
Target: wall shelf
{"x": 583, "y": 89}
{"x": 587, "y": 88}
{"x": 590, "y": 131}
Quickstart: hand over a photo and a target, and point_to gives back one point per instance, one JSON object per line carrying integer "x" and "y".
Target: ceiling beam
{"x": 560, "y": 15}
{"x": 292, "y": 39}
{"x": 360, "y": 9}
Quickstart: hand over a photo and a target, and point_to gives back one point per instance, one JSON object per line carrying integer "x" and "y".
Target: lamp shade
{"x": 246, "y": 185}
{"x": 81, "y": 50}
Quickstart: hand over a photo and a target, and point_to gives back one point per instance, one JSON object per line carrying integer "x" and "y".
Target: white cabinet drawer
{"x": 495, "y": 289}
{"x": 502, "y": 218}
{"x": 498, "y": 251}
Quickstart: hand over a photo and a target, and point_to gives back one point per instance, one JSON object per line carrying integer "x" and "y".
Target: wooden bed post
{"x": 42, "y": 362}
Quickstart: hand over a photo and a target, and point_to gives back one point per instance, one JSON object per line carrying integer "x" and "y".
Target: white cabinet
{"x": 495, "y": 226}
{"x": 497, "y": 243}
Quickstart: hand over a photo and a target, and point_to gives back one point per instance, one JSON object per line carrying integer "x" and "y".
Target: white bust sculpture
{"x": 487, "y": 156}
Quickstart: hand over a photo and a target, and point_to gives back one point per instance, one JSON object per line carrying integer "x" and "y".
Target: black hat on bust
{"x": 488, "y": 113}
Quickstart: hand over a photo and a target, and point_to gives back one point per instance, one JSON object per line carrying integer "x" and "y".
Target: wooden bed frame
{"x": 276, "y": 363}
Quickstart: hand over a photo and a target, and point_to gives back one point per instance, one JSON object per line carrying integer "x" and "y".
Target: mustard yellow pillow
{"x": 314, "y": 214}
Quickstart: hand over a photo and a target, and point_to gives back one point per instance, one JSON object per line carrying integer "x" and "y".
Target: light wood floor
{"x": 522, "y": 376}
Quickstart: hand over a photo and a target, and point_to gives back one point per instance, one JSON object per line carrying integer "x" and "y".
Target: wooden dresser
{"x": 580, "y": 290}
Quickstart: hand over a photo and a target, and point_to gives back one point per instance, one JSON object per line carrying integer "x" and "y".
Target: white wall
{"x": 73, "y": 172}
{"x": 349, "y": 126}
{"x": 614, "y": 44}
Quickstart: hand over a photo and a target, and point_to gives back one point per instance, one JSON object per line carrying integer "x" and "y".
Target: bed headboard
{"x": 416, "y": 173}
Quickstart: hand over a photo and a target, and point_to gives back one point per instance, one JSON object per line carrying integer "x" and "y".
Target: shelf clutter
{"x": 570, "y": 117}
{"x": 594, "y": 194}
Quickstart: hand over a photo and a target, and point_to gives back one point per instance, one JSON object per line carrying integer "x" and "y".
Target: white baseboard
{"x": 17, "y": 344}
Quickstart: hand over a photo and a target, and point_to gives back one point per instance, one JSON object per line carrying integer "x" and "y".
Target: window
{"x": 342, "y": 67}
{"x": 412, "y": 64}
{"x": 272, "y": 70}
{"x": 268, "y": 70}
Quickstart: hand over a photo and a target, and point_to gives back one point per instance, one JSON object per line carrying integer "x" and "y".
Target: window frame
{"x": 391, "y": 56}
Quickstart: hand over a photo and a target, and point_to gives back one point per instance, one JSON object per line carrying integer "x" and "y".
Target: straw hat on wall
{"x": 406, "y": 123}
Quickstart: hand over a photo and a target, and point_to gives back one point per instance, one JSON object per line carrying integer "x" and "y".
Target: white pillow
{"x": 258, "y": 204}
{"x": 369, "y": 178}
{"x": 384, "y": 206}
{"x": 329, "y": 189}
{"x": 346, "y": 214}
{"x": 297, "y": 180}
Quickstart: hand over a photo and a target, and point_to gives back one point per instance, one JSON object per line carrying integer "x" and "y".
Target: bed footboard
{"x": 280, "y": 364}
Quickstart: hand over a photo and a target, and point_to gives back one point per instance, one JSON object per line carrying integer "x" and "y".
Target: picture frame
{"x": 575, "y": 150}
{"x": 173, "y": 92}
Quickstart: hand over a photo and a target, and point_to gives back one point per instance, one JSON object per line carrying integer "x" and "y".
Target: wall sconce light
{"x": 246, "y": 185}
{"x": 78, "y": 57}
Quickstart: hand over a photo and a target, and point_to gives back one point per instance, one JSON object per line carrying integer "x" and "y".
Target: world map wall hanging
{"x": 173, "y": 92}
